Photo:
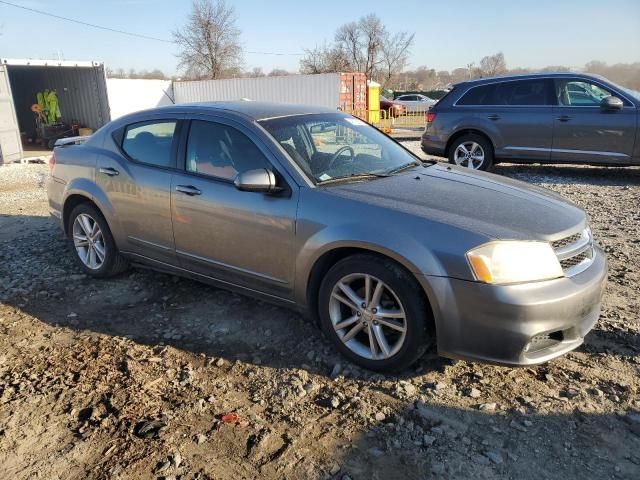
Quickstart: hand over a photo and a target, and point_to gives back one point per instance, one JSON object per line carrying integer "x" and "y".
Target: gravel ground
{"x": 152, "y": 376}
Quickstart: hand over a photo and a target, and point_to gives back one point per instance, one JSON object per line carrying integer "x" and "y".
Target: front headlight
{"x": 514, "y": 262}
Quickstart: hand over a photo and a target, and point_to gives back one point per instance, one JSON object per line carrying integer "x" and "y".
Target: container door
{"x": 102, "y": 99}
{"x": 10, "y": 144}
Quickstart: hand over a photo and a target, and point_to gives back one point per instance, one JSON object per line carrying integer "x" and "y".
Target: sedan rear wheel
{"x": 374, "y": 312}
{"x": 93, "y": 243}
{"x": 89, "y": 241}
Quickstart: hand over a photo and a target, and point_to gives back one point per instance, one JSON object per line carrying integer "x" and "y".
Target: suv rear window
{"x": 511, "y": 93}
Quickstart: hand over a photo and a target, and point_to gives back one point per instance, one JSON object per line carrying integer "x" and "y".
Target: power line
{"x": 115, "y": 30}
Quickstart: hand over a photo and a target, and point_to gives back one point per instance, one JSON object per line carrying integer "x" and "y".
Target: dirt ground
{"x": 151, "y": 376}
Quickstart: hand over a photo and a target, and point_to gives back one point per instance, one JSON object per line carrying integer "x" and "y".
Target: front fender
{"x": 404, "y": 249}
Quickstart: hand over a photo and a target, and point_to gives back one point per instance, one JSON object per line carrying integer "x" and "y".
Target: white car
{"x": 415, "y": 102}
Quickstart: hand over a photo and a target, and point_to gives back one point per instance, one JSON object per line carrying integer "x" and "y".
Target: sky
{"x": 447, "y": 34}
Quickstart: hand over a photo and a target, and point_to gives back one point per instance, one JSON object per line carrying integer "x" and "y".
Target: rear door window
{"x": 511, "y": 93}
{"x": 522, "y": 92}
{"x": 150, "y": 142}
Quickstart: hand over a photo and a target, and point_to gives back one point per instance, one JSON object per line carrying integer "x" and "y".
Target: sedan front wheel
{"x": 374, "y": 312}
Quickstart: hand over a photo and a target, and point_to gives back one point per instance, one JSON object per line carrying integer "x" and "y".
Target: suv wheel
{"x": 471, "y": 151}
{"x": 374, "y": 312}
{"x": 93, "y": 243}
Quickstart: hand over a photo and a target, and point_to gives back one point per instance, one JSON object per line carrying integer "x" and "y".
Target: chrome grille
{"x": 575, "y": 252}
{"x": 573, "y": 261}
{"x": 563, "y": 242}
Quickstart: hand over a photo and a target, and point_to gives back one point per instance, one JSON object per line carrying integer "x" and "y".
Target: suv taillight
{"x": 430, "y": 116}
{"x": 52, "y": 163}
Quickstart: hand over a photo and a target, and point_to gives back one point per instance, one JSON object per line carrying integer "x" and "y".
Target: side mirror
{"x": 258, "y": 180}
{"x": 611, "y": 103}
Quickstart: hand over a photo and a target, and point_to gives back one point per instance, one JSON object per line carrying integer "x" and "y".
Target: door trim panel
{"x": 231, "y": 267}
{"x": 174, "y": 269}
{"x": 147, "y": 243}
{"x": 567, "y": 150}
{"x": 590, "y": 152}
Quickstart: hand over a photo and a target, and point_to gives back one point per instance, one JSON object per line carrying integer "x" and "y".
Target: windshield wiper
{"x": 401, "y": 168}
{"x": 353, "y": 176}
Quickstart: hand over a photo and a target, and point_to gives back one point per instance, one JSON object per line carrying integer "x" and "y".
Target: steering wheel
{"x": 338, "y": 153}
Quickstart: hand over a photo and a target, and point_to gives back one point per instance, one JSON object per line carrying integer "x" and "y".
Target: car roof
{"x": 250, "y": 109}
{"x": 527, "y": 76}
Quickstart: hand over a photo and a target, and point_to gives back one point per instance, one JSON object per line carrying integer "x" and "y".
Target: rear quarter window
{"x": 481, "y": 95}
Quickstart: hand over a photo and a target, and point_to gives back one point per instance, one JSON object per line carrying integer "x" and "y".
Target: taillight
{"x": 430, "y": 116}
{"x": 52, "y": 163}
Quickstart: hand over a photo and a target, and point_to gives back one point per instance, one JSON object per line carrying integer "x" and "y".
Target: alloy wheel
{"x": 89, "y": 241}
{"x": 367, "y": 316}
{"x": 470, "y": 155}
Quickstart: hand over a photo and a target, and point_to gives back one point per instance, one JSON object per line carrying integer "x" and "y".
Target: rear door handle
{"x": 564, "y": 118}
{"x": 188, "y": 190}
{"x": 493, "y": 116}
{"x": 109, "y": 171}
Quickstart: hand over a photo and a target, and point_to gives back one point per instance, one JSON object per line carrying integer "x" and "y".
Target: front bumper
{"x": 522, "y": 324}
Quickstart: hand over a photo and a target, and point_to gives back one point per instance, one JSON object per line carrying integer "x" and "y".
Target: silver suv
{"x": 545, "y": 118}
{"x": 317, "y": 210}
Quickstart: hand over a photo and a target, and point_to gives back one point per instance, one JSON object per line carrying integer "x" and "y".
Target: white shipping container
{"x": 321, "y": 90}
{"x": 127, "y": 95}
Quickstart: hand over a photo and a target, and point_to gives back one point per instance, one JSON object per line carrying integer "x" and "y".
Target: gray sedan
{"x": 317, "y": 210}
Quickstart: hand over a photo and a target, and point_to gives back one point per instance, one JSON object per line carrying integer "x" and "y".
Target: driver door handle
{"x": 493, "y": 116}
{"x": 188, "y": 190}
{"x": 564, "y": 118}
{"x": 109, "y": 171}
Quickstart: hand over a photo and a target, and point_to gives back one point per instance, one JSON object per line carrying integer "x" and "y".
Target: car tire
{"x": 472, "y": 143}
{"x": 400, "y": 293}
{"x": 105, "y": 261}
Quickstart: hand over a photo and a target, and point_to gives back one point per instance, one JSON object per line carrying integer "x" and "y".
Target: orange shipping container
{"x": 353, "y": 93}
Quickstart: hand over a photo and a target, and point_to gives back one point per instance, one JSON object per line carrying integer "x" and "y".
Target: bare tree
{"x": 256, "y": 72}
{"x": 492, "y": 65}
{"x": 459, "y": 75}
{"x": 325, "y": 59}
{"x": 314, "y": 60}
{"x": 278, "y": 72}
{"x": 210, "y": 41}
{"x": 349, "y": 40}
{"x": 374, "y": 34}
{"x": 362, "y": 41}
{"x": 362, "y": 46}
{"x": 395, "y": 54}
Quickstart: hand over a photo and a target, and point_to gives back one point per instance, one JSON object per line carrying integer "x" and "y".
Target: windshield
{"x": 332, "y": 146}
{"x": 633, "y": 93}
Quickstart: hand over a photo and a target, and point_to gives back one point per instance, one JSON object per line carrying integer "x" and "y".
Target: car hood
{"x": 487, "y": 204}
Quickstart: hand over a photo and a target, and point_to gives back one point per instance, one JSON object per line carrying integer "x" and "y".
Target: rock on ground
{"x": 152, "y": 376}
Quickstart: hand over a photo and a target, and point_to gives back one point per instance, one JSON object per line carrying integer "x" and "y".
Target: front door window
{"x": 579, "y": 93}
